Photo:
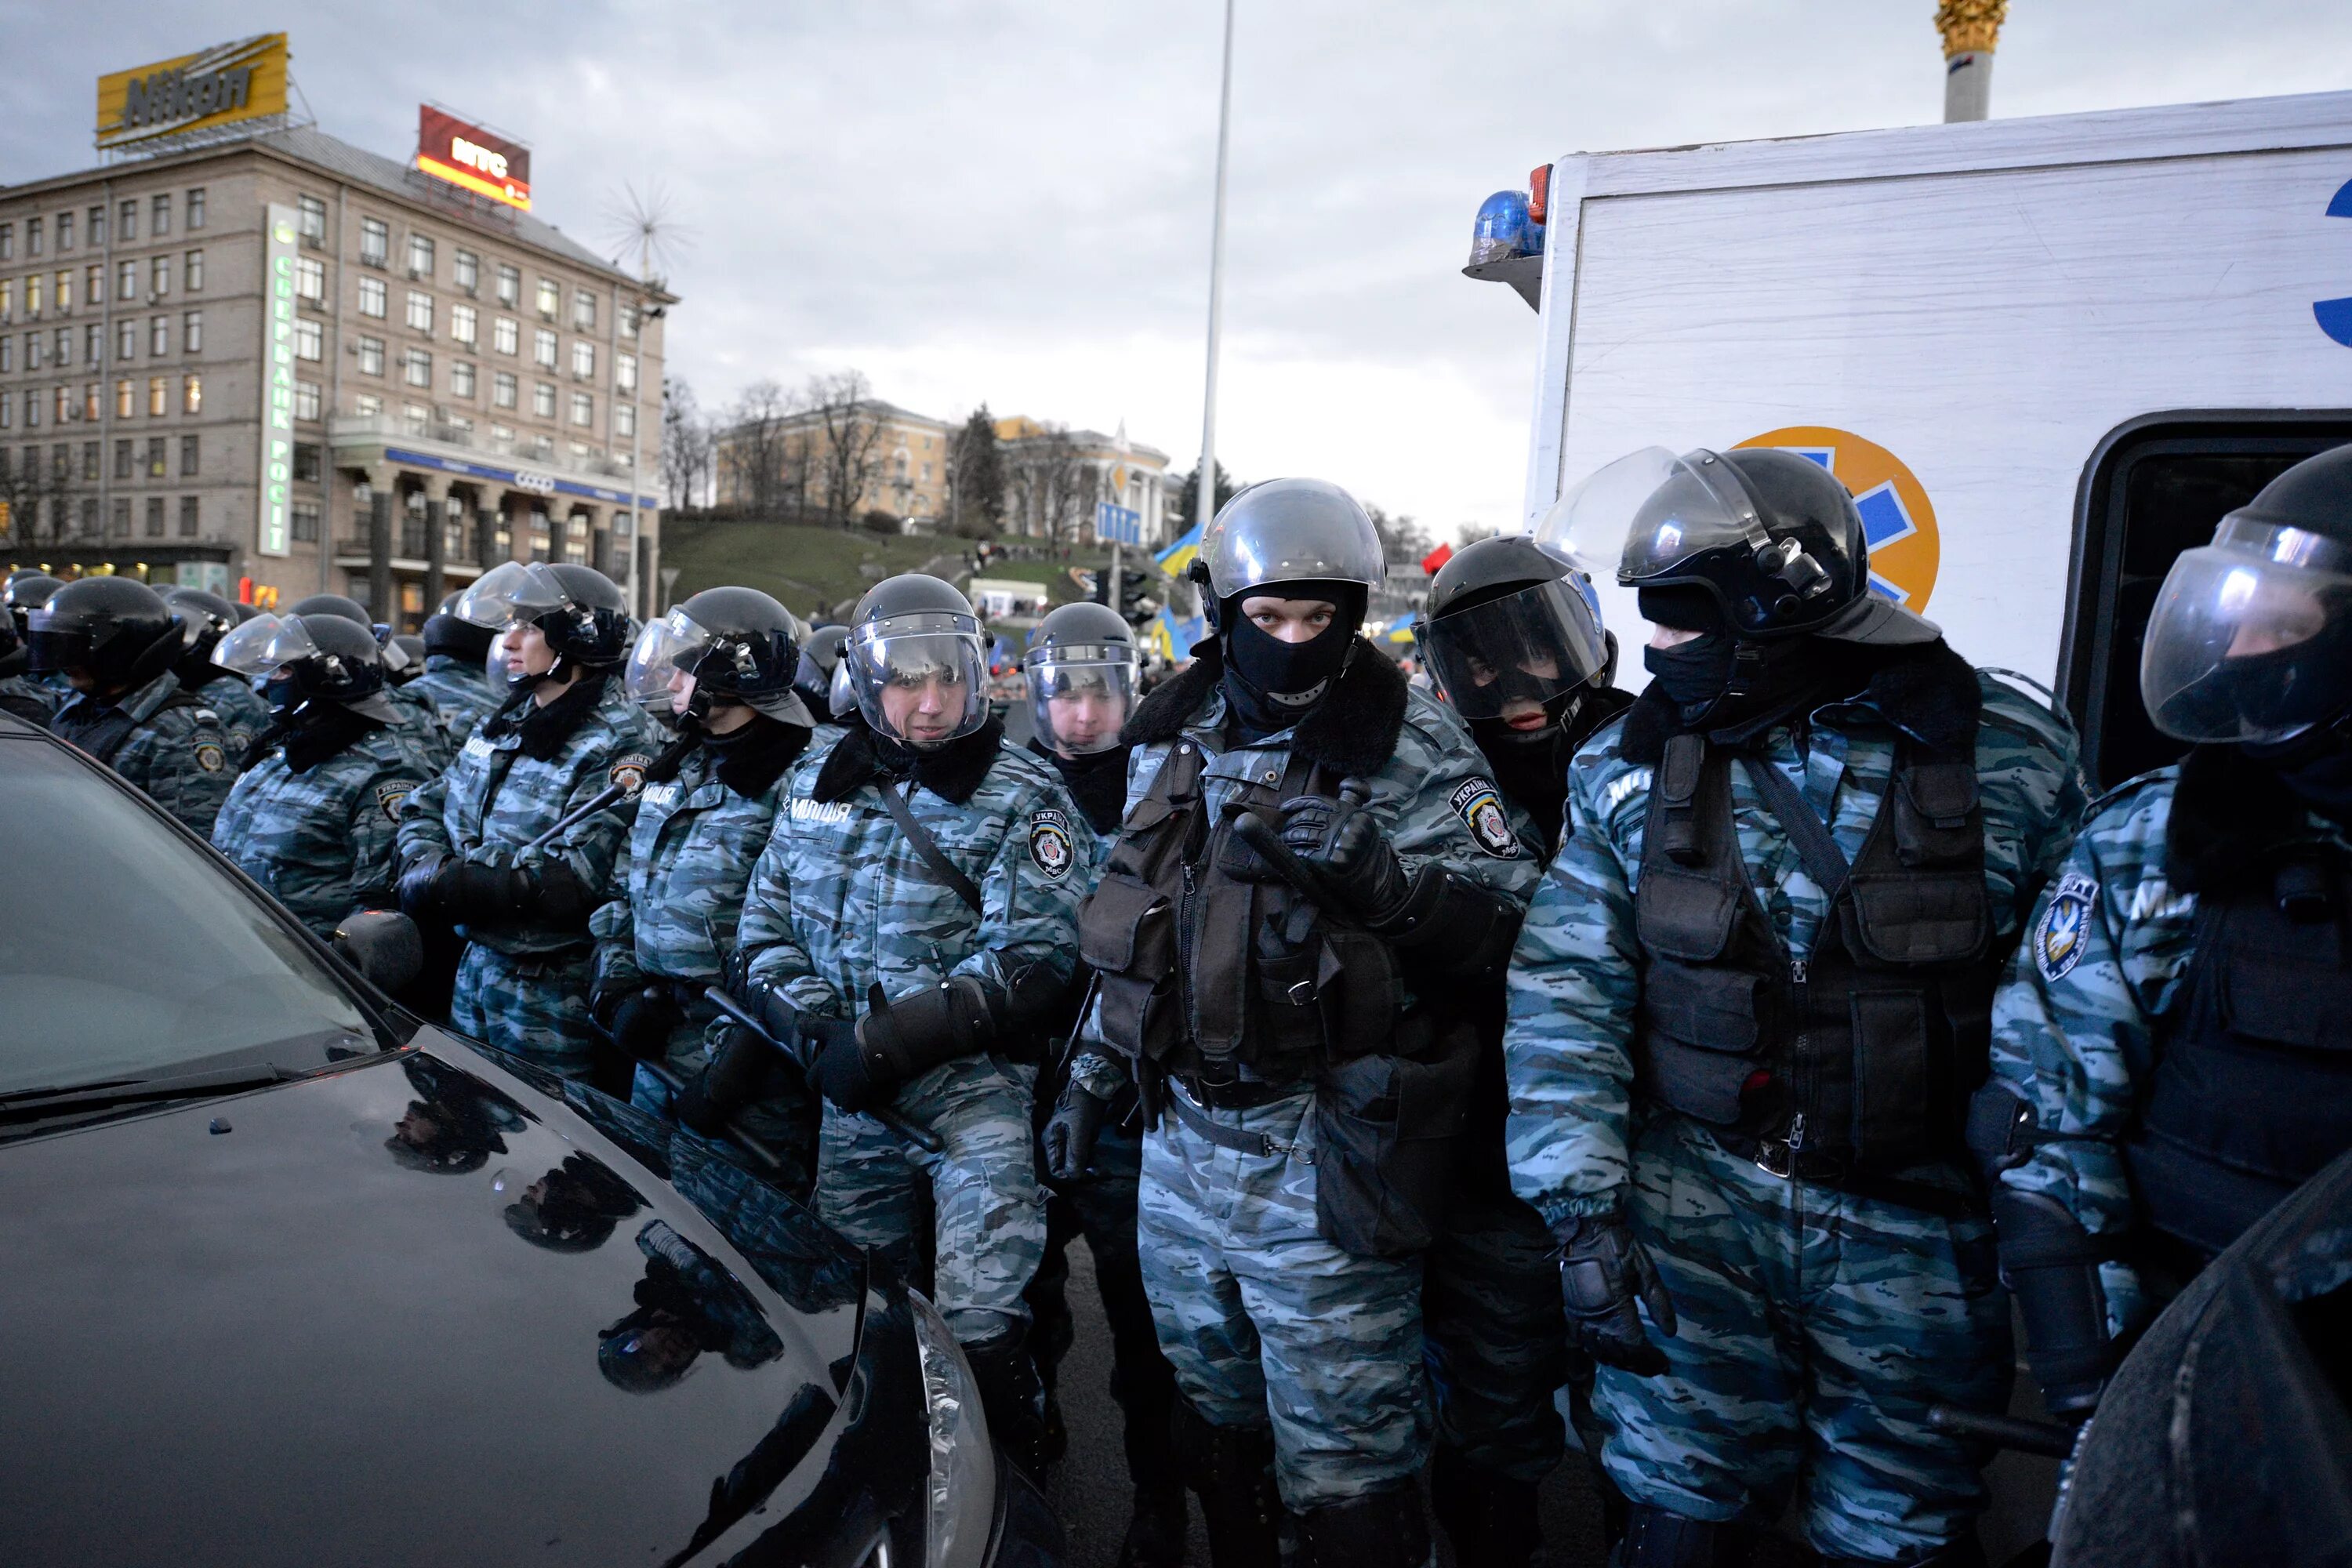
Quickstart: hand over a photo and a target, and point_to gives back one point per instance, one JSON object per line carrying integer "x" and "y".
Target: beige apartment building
{"x": 899, "y": 460}
{"x": 1091, "y": 468}
{"x": 389, "y": 388}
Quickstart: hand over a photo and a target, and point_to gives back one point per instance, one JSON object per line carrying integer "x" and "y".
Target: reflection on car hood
{"x": 413, "y": 1311}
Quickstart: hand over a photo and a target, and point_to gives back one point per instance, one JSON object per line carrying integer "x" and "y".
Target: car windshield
{"x": 128, "y": 956}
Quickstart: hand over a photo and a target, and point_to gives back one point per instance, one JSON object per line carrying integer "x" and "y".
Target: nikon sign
{"x": 214, "y": 86}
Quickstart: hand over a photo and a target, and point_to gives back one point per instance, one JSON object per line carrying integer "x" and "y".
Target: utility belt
{"x": 1775, "y": 1158}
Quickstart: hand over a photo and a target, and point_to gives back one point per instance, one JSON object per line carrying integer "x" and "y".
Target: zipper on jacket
{"x": 1801, "y": 1075}
{"x": 1184, "y": 956}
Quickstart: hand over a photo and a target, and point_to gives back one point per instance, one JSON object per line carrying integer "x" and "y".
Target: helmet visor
{"x": 1508, "y": 657}
{"x": 514, "y": 591}
{"x": 1648, "y": 512}
{"x": 660, "y": 676}
{"x": 921, "y": 679}
{"x": 264, "y": 644}
{"x": 841, "y": 692}
{"x": 2250, "y": 636}
{"x": 1080, "y": 695}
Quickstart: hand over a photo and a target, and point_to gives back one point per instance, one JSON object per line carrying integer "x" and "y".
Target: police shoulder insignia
{"x": 2065, "y": 927}
{"x": 391, "y": 795}
{"x": 629, "y": 772}
{"x": 1479, "y": 805}
{"x": 1049, "y": 841}
{"x": 210, "y": 757}
{"x": 476, "y": 747}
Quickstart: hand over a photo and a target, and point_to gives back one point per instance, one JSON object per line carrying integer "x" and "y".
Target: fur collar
{"x": 953, "y": 771}
{"x": 2231, "y": 814}
{"x": 1928, "y": 691}
{"x": 544, "y": 730}
{"x": 757, "y": 759}
{"x": 1352, "y": 731}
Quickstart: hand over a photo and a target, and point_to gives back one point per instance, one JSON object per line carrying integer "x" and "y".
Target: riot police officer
{"x": 2169, "y": 1055}
{"x": 1516, "y": 645}
{"x": 21, "y": 696}
{"x": 115, "y": 642}
{"x": 210, "y": 617}
{"x": 514, "y": 844}
{"x": 26, "y": 591}
{"x": 456, "y": 677}
{"x": 719, "y": 668}
{"x": 1287, "y": 1004}
{"x": 912, "y": 924}
{"x": 415, "y": 709}
{"x": 314, "y": 813}
{"x": 820, "y": 662}
{"x": 1747, "y": 1010}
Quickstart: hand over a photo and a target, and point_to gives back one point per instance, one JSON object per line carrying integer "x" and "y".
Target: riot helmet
{"x": 341, "y": 605}
{"x": 243, "y": 611}
{"x": 446, "y": 633}
{"x": 1513, "y": 637}
{"x": 917, "y": 661}
{"x": 579, "y": 610}
{"x": 404, "y": 658}
{"x": 1290, "y": 531}
{"x": 2251, "y": 639}
{"x": 820, "y": 658}
{"x": 208, "y": 616}
{"x": 723, "y": 645}
{"x": 300, "y": 659}
{"x": 1083, "y": 675}
{"x": 113, "y": 627}
{"x": 28, "y": 592}
{"x": 841, "y": 692}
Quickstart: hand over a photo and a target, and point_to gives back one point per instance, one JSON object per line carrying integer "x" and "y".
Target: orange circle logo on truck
{"x": 1896, "y": 516}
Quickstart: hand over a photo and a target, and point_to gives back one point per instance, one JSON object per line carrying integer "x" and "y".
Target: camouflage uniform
{"x": 1816, "y": 1325}
{"x": 178, "y": 751}
{"x": 840, "y": 902}
{"x": 320, "y": 841}
{"x": 426, "y": 729}
{"x": 242, "y": 712}
{"x": 27, "y": 697}
{"x": 678, "y": 887}
{"x": 523, "y": 986}
{"x": 460, "y": 695}
{"x": 1262, "y": 1317}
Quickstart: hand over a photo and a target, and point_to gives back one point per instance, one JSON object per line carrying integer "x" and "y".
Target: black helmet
{"x": 2252, "y": 635}
{"x": 820, "y": 657}
{"x": 28, "y": 592}
{"x": 333, "y": 604}
{"x": 446, "y": 632}
{"x": 738, "y": 644}
{"x": 114, "y": 627}
{"x": 1289, "y": 531}
{"x": 411, "y": 651}
{"x": 208, "y": 617}
{"x": 1513, "y": 635}
{"x": 918, "y": 635}
{"x": 322, "y": 657}
{"x": 243, "y": 611}
{"x": 582, "y": 612}
{"x": 1083, "y": 676}
{"x": 1770, "y": 536}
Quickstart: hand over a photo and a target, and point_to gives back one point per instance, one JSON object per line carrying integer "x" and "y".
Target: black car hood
{"x": 418, "y": 1310}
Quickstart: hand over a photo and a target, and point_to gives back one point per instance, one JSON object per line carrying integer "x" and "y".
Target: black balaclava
{"x": 2316, "y": 766}
{"x": 1096, "y": 780}
{"x": 1698, "y": 676}
{"x": 1273, "y": 684}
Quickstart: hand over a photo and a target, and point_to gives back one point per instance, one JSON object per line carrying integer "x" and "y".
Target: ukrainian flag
{"x": 1179, "y": 555}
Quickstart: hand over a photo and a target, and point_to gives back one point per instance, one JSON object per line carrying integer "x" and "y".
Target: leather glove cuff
{"x": 903, "y": 1040}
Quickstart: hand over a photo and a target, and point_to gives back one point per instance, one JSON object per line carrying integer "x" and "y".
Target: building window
{"x": 154, "y": 517}
{"x": 542, "y": 348}
{"x": 65, "y": 411}
{"x": 420, "y": 310}
{"x": 310, "y": 280}
{"x": 159, "y": 396}
{"x": 551, "y": 296}
{"x": 7, "y": 419}
{"x": 461, "y": 425}
{"x": 304, "y": 516}
{"x": 193, "y": 273}
{"x": 126, "y": 283}
{"x": 461, "y": 378}
{"x": 420, "y": 256}
{"x": 126, "y": 220}
{"x": 310, "y": 339}
{"x": 542, "y": 400}
{"x": 121, "y": 525}
{"x": 93, "y": 344}
{"x": 126, "y": 338}
{"x": 192, "y": 395}
{"x": 32, "y": 351}
{"x": 625, "y": 420}
{"x": 509, "y": 286}
{"x": 188, "y": 452}
{"x": 506, "y": 335}
{"x": 191, "y": 333}
{"x": 375, "y": 241}
{"x": 583, "y": 358}
{"x": 374, "y": 297}
{"x": 7, "y": 355}
{"x": 159, "y": 336}
{"x": 32, "y": 409}
{"x": 122, "y": 460}
{"x": 63, "y": 356}
{"x": 305, "y": 400}
{"x": 7, "y": 242}
{"x": 89, "y": 405}
{"x": 465, "y": 271}
{"x": 125, "y": 393}
{"x": 33, "y": 246}
{"x": 33, "y": 296}
{"x": 93, "y": 284}
{"x": 196, "y": 208}
{"x": 584, "y": 310}
{"x": 371, "y": 356}
{"x": 416, "y": 367}
{"x": 415, "y": 417}
{"x": 155, "y": 456}
{"x": 159, "y": 217}
{"x": 502, "y": 389}
{"x": 89, "y": 459}
{"x": 628, "y": 320}
{"x": 465, "y": 325}
{"x": 65, "y": 231}
{"x": 502, "y": 433}
{"x": 625, "y": 371}
{"x": 310, "y": 219}
{"x": 306, "y": 461}
{"x": 8, "y": 296}
{"x": 159, "y": 276}
{"x": 187, "y": 517}
{"x": 65, "y": 292}
{"x": 584, "y": 409}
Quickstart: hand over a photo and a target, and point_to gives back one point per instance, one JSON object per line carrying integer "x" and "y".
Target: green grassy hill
{"x": 824, "y": 570}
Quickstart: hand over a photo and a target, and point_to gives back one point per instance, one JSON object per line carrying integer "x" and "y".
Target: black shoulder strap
{"x": 926, "y": 848}
{"x": 1824, "y": 861}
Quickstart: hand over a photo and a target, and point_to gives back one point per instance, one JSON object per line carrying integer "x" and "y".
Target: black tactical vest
{"x": 1862, "y": 1056}
{"x": 102, "y": 731}
{"x": 2249, "y": 1091}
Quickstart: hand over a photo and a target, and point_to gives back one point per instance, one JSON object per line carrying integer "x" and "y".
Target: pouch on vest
{"x": 1701, "y": 1031}
{"x": 1127, "y": 934}
{"x": 1361, "y": 994}
{"x": 1385, "y": 1132}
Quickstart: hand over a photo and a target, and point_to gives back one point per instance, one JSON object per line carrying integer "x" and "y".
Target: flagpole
{"x": 1205, "y": 504}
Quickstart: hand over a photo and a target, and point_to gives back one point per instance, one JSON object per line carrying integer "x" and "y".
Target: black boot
{"x": 1155, "y": 1536}
{"x": 1379, "y": 1530}
{"x": 1013, "y": 1399}
{"x": 1490, "y": 1519}
{"x": 1231, "y": 1470}
{"x": 1657, "y": 1538}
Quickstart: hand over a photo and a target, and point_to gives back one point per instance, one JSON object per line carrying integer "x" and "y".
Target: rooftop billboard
{"x": 471, "y": 158}
{"x": 214, "y": 87}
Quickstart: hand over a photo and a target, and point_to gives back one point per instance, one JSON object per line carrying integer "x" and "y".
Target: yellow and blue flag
{"x": 1179, "y": 555}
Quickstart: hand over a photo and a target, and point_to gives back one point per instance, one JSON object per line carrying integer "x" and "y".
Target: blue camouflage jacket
{"x": 243, "y": 712}
{"x": 1576, "y": 977}
{"x": 178, "y": 752}
{"x": 459, "y": 693}
{"x": 322, "y": 840}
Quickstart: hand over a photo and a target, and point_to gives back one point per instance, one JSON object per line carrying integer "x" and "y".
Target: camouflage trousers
{"x": 988, "y": 1211}
{"x": 1263, "y": 1319}
{"x": 535, "y": 1006}
{"x": 784, "y": 1116}
{"x": 1816, "y": 1329}
{"x": 1494, "y": 1333}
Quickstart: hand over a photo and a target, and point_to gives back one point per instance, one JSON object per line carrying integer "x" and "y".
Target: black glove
{"x": 1346, "y": 843}
{"x": 842, "y": 1076}
{"x": 475, "y": 892}
{"x": 904, "y": 1039}
{"x": 642, "y": 1021}
{"x": 1603, "y": 1271}
{"x": 1069, "y": 1136}
{"x": 728, "y": 1084}
{"x": 419, "y": 896}
{"x": 2051, "y": 1265}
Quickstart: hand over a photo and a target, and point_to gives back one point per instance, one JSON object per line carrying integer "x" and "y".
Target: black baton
{"x": 2020, "y": 1432}
{"x": 755, "y": 1147}
{"x": 898, "y": 1121}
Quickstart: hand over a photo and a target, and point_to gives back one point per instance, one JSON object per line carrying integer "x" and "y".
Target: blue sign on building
{"x": 1117, "y": 524}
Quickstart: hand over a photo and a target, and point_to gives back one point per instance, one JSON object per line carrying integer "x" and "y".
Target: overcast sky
{"x": 1011, "y": 202}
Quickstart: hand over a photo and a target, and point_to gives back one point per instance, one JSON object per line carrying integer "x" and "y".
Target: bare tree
{"x": 1053, "y": 486}
{"x": 976, "y": 478}
{"x": 1403, "y": 542}
{"x": 686, "y": 446}
{"x": 843, "y": 418}
{"x": 42, "y": 498}
{"x": 754, "y": 457}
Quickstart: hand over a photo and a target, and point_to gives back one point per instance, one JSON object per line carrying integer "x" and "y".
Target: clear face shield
{"x": 262, "y": 646}
{"x": 2251, "y": 636}
{"x": 1080, "y": 694}
{"x": 660, "y": 677}
{"x": 921, "y": 679}
{"x": 841, "y": 692}
{"x": 506, "y": 599}
{"x": 1512, "y": 658}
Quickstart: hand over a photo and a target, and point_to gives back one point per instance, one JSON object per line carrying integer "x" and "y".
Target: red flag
{"x": 1436, "y": 558}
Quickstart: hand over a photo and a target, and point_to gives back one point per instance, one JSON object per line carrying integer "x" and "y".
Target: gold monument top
{"x": 1970, "y": 26}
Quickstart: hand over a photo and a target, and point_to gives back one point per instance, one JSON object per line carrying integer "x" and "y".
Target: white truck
{"x": 2045, "y": 354}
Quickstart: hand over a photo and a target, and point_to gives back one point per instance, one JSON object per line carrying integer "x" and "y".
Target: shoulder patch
{"x": 210, "y": 757}
{"x": 1479, "y": 805}
{"x": 629, "y": 772}
{"x": 1049, "y": 842}
{"x": 2061, "y": 935}
{"x": 392, "y": 794}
